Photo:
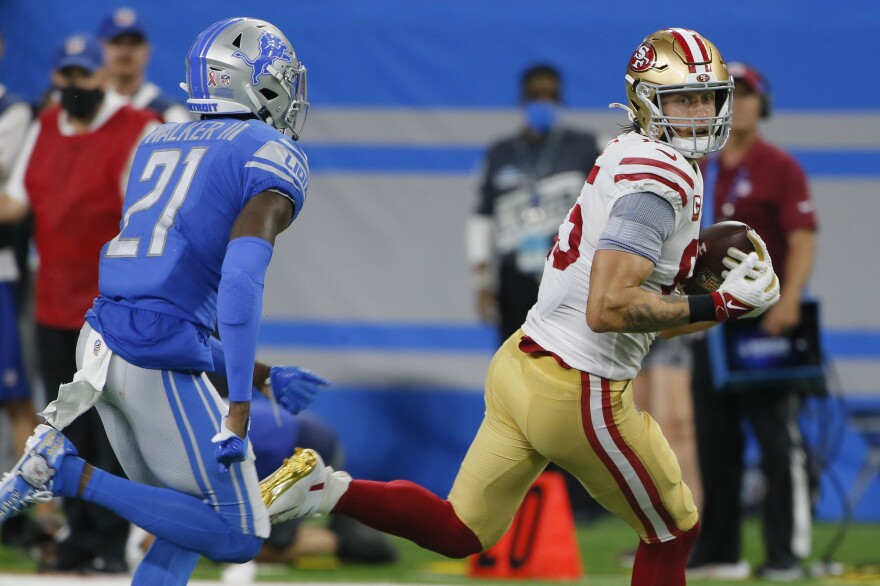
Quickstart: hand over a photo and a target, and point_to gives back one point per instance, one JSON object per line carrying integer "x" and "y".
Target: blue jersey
{"x": 158, "y": 277}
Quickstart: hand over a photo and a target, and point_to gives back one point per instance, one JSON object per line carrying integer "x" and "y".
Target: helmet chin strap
{"x": 276, "y": 74}
{"x": 689, "y": 146}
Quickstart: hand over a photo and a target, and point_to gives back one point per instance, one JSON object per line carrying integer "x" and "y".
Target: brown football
{"x": 714, "y": 242}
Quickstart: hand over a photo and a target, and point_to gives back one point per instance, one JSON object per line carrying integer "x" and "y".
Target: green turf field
{"x": 600, "y": 542}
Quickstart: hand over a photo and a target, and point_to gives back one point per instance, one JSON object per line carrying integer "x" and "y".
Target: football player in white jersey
{"x": 560, "y": 389}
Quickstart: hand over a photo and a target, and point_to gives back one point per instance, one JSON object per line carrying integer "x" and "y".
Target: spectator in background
{"x": 759, "y": 184}
{"x": 71, "y": 172}
{"x": 15, "y": 395}
{"x": 127, "y": 52}
{"x": 662, "y": 388}
{"x": 529, "y": 182}
{"x": 15, "y": 392}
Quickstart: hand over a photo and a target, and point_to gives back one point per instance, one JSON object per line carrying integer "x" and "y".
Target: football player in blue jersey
{"x": 204, "y": 204}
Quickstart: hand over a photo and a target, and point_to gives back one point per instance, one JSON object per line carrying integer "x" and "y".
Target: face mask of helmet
{"x": 80, "y": 103}
{"x": 694, "y": 137}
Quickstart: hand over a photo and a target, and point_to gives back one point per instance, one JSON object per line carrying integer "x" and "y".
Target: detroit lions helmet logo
{"x": 272, "y": 48}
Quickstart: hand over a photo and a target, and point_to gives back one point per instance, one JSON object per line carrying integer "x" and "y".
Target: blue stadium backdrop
{"x": 372, "y": 289}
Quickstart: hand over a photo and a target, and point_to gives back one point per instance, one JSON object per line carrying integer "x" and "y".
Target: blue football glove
{"x": 294, "y": 388}
{"x": 230, "y": 447}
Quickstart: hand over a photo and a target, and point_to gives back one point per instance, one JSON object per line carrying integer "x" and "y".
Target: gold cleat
{"x": 294, "y": 469}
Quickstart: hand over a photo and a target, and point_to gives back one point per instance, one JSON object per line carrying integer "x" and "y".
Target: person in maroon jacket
{"x": 71, "y": 172}
{"x": 763, "y": 186}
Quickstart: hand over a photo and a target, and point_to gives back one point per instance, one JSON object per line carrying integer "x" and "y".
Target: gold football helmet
{"x": 679, "y": 60}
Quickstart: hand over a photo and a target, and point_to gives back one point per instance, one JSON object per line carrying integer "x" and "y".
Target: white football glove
{"x": 760, "y": 247}
{"x": 736, "y": 256}
{"x": 750, "y": 286}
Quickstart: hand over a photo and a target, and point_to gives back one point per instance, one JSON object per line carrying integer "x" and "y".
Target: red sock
{"x": 663, "y": 564}
{"x": 407, "y": 510}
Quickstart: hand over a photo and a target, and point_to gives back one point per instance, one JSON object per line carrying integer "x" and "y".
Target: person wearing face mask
{"x": 15, "y": 396}
{"x": 70, "y": 174}
{"x": 15, "y": 390}
{"x": 528, "y": 183}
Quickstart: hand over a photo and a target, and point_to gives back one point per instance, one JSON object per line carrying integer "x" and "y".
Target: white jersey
{"x": 631, "y": 163}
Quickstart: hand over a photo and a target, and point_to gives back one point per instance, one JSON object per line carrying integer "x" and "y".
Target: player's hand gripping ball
{"x": 715, "y": 240}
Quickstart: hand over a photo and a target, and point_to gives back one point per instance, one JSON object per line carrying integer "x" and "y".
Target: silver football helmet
{"x": 247, "y": 66}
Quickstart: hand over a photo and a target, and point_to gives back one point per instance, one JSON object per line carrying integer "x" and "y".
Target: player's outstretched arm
{"x": 292, "y": 387}
{"x": 617, "y": 303}
{"x": 239, "y": 306}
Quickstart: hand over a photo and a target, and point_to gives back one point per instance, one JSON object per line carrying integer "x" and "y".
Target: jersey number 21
{"x": 168, "y": 160}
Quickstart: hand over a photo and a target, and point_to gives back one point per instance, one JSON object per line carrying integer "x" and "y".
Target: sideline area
{"x": 48, "y": 580}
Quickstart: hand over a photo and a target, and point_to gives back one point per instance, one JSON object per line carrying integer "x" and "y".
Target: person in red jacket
{"x": 71, "y": 172}
{"x": 757, "y": 183}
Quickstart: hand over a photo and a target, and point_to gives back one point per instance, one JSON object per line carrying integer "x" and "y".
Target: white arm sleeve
{"x": 15, "y": 186}
{"x": 13, "y": 129}
{"x": 478, "y": 239}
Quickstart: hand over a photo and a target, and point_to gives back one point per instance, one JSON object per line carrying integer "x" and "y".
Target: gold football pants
{"x": 537, "y": 412}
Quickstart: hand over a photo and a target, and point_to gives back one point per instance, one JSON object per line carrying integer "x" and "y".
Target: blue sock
{"x": 165, "y": 565}
{"x": 67, "y": 479}
{"x": 178, "y": 518}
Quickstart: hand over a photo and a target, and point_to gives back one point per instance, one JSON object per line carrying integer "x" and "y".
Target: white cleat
{"x": 302, "y": 486}
{"x": 33, "y": 477}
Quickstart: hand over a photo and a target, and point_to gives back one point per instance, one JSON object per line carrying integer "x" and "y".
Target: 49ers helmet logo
{"x": 643, "y": 58}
